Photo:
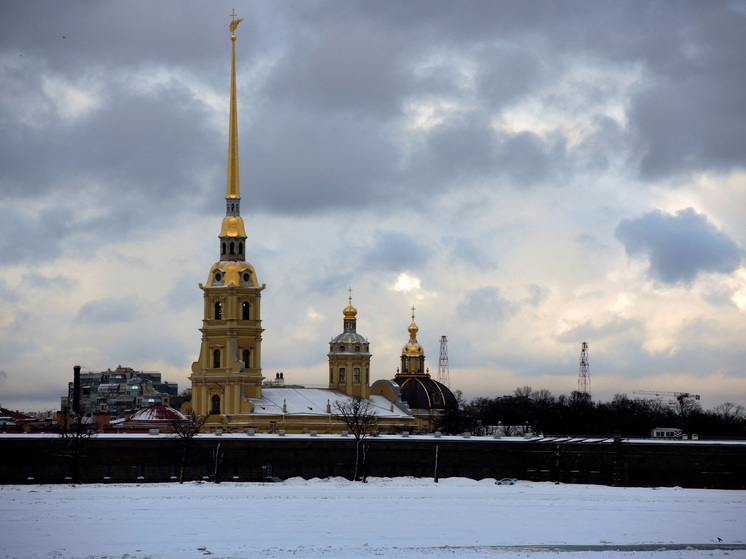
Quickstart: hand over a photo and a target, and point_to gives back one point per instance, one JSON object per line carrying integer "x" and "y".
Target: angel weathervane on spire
{"x": 234, "y": 21}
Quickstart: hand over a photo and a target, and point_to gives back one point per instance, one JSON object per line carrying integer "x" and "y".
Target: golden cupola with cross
{"x": 228, "y": 372}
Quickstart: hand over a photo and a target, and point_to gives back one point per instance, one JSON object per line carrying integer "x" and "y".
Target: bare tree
{"x": 75, "y": 431}
{"x": 730, "y": 413}
{"x": 360, "y": 417}
{"x": 186, "y": 429}
{"x": 217, "y": 459}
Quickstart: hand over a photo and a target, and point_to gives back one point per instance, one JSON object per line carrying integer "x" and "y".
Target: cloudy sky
{"x": 528, "y": 175}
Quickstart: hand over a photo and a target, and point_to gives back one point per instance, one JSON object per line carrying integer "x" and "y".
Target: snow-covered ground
{"x": 393, "y": 518}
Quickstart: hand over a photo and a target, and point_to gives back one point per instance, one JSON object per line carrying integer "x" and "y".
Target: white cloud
{"x": 406, "y": 283}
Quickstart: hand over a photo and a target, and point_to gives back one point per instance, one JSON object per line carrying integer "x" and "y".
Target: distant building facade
{"x": 118, "y": 391}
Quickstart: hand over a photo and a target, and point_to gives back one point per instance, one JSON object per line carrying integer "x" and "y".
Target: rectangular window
{"x": 341, "y": 374}
{"x": 107, "y": 472}
{"x": 356, "y": 374}
{"x": 141, "y": 471}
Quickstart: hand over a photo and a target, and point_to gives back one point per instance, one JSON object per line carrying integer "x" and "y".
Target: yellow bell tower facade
{"x": 229, "y": 371}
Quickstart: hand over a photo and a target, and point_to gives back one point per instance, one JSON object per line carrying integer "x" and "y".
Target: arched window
{"x": 216, "y": 359}
{"x": 246, "y": 356}
{"x": 215, "y": 404}
{"x": 233, "y": 248}
{"x": 245, "y": 310}
{"x": 218, "y": 310}
{"x": 223, "y": 248}
{"x": 356, "y": 374}
{"x": 341, "y": 374}
{"x": 405, "y": 364}
{"x": 240, "y": 248}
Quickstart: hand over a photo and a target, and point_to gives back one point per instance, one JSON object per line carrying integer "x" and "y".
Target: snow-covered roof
{"x": 313, "y": 401}
{"x": 158, "y": 412}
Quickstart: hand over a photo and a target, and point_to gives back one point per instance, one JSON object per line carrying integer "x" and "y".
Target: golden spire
{"x": 233, "y": 187}
{"x": 232, "y": 223}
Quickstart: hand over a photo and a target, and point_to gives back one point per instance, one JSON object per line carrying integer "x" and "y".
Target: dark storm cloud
{"x": 28, "y": 236}
{"x": 321, "y": 137}
{"x": 469, "y": 251}
{"x": 693, "y": 117}
{"x": 487, "y": 304}
{"x": 690, "y": 117}
{"x": 339, "y": 77}
{"x": 145, "y": 143}
{"x": 506, "y": 73}
{"x": 345, "y": 67}
{"x": 679, "y": 246}
{"x": 615, "y": 329}
{"x": 107, "y": 311}
{"x": 297, "y": 163}
{"x": 469, "y": 149}
{"x": 75, "y": 35}
{"x": 395, "y": 251}
{"x": 49, "y": 283}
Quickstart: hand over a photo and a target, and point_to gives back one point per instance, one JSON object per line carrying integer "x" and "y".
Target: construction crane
{"x": 681, "y": 397}
{"x": 444, "y": 375}
{"x": 677, "y": 395}
{"x": 584, "y": 377}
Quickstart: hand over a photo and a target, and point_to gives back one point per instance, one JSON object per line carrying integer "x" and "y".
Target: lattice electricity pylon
{"x": 584, "y": 378}
{"x": 444, "y": 375}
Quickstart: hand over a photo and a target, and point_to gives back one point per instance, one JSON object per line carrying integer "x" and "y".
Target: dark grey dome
{"x": 423, "y": 393}
{"x": 349, "y": 342}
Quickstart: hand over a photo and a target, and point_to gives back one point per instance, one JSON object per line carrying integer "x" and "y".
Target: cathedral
{"x": 227, "y": 382}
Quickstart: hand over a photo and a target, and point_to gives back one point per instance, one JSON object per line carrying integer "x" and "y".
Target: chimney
{"x": 76, "y": 389}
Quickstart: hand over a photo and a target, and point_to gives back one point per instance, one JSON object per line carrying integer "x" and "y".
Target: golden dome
{"x": 350, "y": 311}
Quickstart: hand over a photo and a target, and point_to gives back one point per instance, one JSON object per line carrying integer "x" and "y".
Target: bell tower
{"x": 349, "y": 357}
{"x": 229, "y": 371}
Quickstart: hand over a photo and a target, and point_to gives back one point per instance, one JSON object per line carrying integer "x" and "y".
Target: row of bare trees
{"x": 539, "y": 411}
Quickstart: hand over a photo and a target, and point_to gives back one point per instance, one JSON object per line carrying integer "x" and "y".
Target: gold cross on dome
{"x": 412, "y": 312}
{"x": 350, "y": 290}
